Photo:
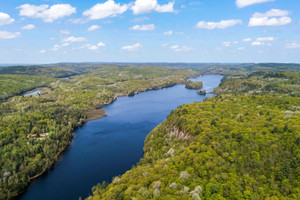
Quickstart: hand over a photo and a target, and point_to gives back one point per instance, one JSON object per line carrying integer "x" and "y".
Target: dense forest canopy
{"x": 242, "y": 144}
{"x": 34, "y": 130}
{"x": 229, "y": 147}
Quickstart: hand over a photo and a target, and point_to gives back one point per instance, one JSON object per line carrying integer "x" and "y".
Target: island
{"x": 194, "y": 85}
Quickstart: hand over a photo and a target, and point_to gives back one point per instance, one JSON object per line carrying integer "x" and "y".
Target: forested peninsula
{"x": 35, "y": 130}
{"x": 242, "y": 144}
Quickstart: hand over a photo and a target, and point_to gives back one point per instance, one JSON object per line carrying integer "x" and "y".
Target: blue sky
{"x": 149, "y": 31}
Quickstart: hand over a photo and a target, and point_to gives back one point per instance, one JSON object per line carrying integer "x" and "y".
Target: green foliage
{"x": 38, "y": 71}
{"x": 263, "y": 82}
{"x": 35, "y": 130}
{"x": 194, "y": 85}
{"x": 11, "y": 85}
{"x": 229, "y": 151}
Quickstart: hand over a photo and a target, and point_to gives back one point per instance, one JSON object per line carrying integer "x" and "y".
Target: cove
{"x": 108, "y": 147}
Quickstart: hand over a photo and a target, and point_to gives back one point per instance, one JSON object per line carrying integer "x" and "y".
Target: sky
{"x": 227, "y": 31}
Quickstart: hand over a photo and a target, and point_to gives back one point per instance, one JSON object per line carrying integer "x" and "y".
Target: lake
{"x": 107, "y": 147}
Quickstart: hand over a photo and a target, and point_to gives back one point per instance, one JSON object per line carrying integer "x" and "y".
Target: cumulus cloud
{"x": 48, "y": 14}
{"x": 58, "y": 46}
{"x": 5, "y": 19}
{"x": 292, "y": 45}
{"x": 244, "y": 3}
{"x": 9, "y": 35}
{"x": 168, "y": 33}
{"x": 42, "y": 51}
{"x": 263, "y": 41}
{"x": 104, "y": 10}
{"x": 178, "y": 48}
{"x": 133, "y": 47}
{"x": 220, "y": 25}
{"x": 74, "y": 39}
{"x": 101, "y": 44}
{"x": 148, "y": 27}
{"x": 147, "y": 6}
{"x": 274, "y": 17}
{"x": 92, "y": 47}
{"x": 93, "y": 28}
{"x": 28, "y": 27}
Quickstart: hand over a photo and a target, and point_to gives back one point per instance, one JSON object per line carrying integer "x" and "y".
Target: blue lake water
{"x": 110, "y": 146}
{"x": 36, "y": 92}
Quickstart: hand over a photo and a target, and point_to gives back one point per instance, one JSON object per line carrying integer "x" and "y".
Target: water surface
{"x": 32, "y": 93}
{"x": 110, "y": 146}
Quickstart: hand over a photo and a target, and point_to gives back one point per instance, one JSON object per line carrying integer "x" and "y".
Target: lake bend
{"x": 107, "y": 147}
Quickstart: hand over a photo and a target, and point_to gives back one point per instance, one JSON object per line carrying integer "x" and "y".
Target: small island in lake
{"x": 194, "y": 85}
{"x": 201, "y": 92}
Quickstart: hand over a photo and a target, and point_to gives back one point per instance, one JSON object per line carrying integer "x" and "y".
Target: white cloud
{"x": 292, "y": 45}
{"x": 147, "y": 6}
{"x": 274, "y": 17}
{"x": 42, "y": 51}
{"x": 178, "y": 48}
{"x": 28, "y": 27}
{"x": 241, "y": 48}
{"x": 247, "y": 40}
{"x": 93, "y": 47}
{"x": 220, "y": 25}
{"x": 5, "y": 19}
{"x": 101, "y": 44}
{"x": 263, "y": 41}
{"x": 9, "y": 35}
{"x": 244, "y": 3}
{"x": 168, "y": 33}
{"x": 48, "y": 14}
{"x": 257, "y": 43}
{"x": 74, "y": 39}
{"x": 226, "y": 44}
{"x": 66, "y": 32}
{"x": 104, "y": 10}
{"x": 272, "y": 13}
{"x": 93, "y": 28}
{"x": 65, "y": 44}
{"x": 134, "y": 47}
{"x": 58, "y": 46}
{"x": 148, "y": 27}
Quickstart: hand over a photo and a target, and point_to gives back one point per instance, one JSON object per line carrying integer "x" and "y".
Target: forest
{"x": 242, "y": 144}
{"x": 35, "y": 130}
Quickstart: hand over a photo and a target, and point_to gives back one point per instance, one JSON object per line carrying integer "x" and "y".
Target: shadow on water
{"x": 110, "y": 146}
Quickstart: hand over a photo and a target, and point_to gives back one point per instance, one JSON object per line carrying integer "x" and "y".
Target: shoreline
{"x": 32, "y": 179}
